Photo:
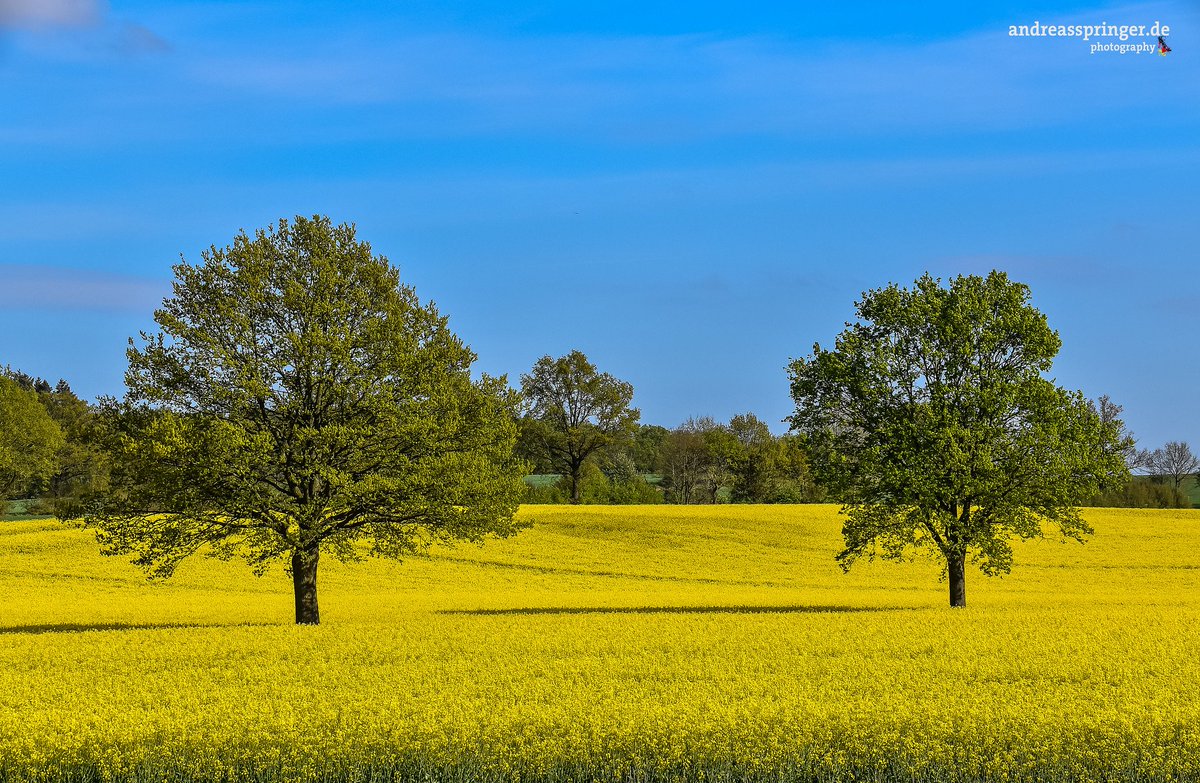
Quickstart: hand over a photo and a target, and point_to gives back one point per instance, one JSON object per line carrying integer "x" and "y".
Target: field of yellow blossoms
{"x": 611, "y": 644}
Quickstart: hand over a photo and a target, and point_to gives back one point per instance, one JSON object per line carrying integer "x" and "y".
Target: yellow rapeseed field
{"x": 618, "y": 643}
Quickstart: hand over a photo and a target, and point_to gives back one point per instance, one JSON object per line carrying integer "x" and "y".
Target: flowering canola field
{"x": 618, "y": 643}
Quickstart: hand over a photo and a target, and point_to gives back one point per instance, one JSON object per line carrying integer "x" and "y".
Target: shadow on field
{"x": 83, "y": 627}
{"x": 679, "y": 610}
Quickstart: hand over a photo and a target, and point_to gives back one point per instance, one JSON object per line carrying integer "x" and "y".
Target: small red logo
{"x": 1162, "y": 47}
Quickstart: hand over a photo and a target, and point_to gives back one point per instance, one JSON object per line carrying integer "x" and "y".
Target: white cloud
{"x": 51, "y": 13}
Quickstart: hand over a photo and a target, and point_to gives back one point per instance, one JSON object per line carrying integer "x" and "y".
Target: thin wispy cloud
{"x": 44, "y": 288}
{"x": 673, "y": 88}
{"x": 40, "y": 14}
{"x": 351, "y": 84}
{"x": 131, "y": 38}
{"x": 76, "y": 30}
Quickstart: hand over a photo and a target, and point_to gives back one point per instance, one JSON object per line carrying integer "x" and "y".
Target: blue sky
{"x": 692, "y": 195}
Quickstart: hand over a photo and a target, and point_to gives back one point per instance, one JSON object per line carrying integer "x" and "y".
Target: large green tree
{"x": 29, "y": 440}
{"x": 574, "y": 414}
{"x": 300, "y": 400}
{"x": 932, "y": 421}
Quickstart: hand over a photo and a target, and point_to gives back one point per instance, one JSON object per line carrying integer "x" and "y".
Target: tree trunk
{"x": 304, "y": 582}
{"x": 575, "y": 471}
{"x": 957, "y": 566}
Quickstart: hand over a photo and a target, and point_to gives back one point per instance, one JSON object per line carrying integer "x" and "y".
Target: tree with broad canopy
{"x": 932, "y": 421}
{"x": 299, "y": 400}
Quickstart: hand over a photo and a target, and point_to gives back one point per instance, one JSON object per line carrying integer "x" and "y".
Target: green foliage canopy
{"x": 931, "y": 420}
{"x": 300, "y": 399}
{"x": 29, "y": 439}
{"x": 81, "y": 472}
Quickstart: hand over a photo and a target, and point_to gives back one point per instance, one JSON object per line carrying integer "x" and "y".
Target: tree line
{"x": 579, "y": 423}
{"x": 52, "y": 450}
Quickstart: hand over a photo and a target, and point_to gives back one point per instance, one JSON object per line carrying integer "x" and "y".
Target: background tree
{"x": 685, "y": 461}
{"x": 29, "y": 441}
{"x": 1141, "y": 493}
{"x": 763, "y": 468}
{"x": 646, "y": 448}
{"x": 720, "y": 443}
{"x": 81, "y": 468}
{"x": 932, "y": 422}
{"x": 750, "y": 457}
{"x": 28, "y": 382}
{"x": 695, "y": 461}
{"x": 627, "y": 484}
{"x": 1125, "y": 443}
{"x": 1174, "y": 461}
{"x": 299, "y": 400}
{"x": 793, "y": 479}
{"x": 705, "y": 462}
{"x": 574, "y": 413}
{"x": 1134, "y": 492}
